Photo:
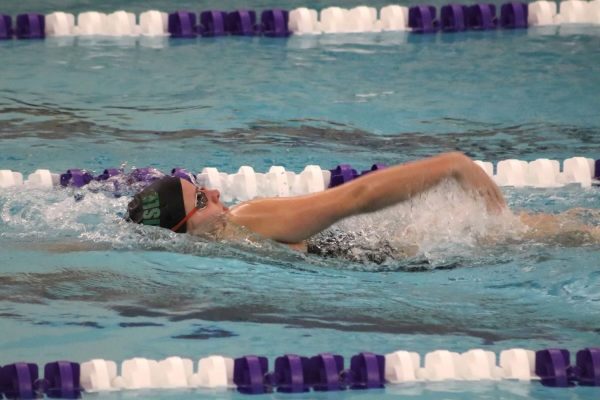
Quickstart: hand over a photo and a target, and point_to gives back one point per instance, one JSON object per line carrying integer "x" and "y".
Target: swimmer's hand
{"x": 473, "y": 178}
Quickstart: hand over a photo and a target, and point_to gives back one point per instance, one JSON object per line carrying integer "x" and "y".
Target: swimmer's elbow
{"x": 457, "y": 162}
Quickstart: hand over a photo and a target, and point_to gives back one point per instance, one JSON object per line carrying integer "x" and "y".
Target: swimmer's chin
{"x": 216, "y": 229}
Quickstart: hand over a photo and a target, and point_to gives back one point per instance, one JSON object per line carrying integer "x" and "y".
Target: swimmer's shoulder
{"x": 232, "y": 230}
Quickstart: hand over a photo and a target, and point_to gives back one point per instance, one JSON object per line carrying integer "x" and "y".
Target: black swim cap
{"x": 160, "y": 204}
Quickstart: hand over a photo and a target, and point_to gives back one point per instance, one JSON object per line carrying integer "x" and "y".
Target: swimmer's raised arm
{"x": 399, "y": 183}
{"x": 294, "y": 219}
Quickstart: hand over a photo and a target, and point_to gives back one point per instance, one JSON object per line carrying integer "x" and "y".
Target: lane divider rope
{"x": 247, "y": 184}
{"x": 301, "y": 21}
{"x": 294, "y": 374}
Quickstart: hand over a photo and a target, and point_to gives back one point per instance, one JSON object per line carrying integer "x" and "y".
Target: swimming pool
{"x": 227, "y": 102}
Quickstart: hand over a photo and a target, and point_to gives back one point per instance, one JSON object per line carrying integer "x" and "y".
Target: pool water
{"x": 95, "y": 103}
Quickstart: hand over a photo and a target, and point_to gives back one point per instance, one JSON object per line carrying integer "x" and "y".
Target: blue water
{"x": 358, "y": 99}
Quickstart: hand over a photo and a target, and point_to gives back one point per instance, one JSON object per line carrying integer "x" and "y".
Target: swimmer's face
{"x": 208, "y": 218}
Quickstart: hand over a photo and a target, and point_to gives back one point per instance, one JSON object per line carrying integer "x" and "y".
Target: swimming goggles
{"x": 201, "y": 203}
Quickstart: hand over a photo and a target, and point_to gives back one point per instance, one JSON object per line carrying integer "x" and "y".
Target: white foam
{"x": 443, "y": 223}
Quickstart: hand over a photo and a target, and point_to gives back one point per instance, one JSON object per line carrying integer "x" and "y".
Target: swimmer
{"x": 180, "y": 206}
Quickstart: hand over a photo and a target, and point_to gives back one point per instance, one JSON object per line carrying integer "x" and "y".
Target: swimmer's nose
{"x": 213, "y": 194}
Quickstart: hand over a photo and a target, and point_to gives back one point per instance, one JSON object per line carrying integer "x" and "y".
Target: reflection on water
{"x": 489, "y": 141}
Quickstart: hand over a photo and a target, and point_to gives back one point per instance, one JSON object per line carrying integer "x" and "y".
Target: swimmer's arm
{"x": 292, "y": 220}
{"x": 560, "y": 228}
{"x": 384, "y": 188}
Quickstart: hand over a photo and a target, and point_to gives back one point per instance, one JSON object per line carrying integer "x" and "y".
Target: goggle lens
{"x": 201, "y": 203}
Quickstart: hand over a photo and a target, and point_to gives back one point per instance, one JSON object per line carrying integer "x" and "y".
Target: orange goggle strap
{"x": 184, "y": 220}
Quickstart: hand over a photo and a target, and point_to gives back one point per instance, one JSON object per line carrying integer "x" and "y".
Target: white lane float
{"x": 541, "y": 13}
{"x": 304, "y": 21}
{"x": 98, "y": 375}
{"x": 402, "y": 366}
{"x": 578, "y": 170}
{"x": 121, "y": 23}
{"x": 42, "y": 178}
{"x": 175, "y": 372}
{"x": 214, "y": 372}
{"x": 477, "y": 365}
{"x": 334, "y": 20}
{"x": 91, "y": 23}
{"x": 440, "y": 365}
{"x": 394, "y": 18}
{"x": 511, "y": 173}
{"x": 518, "y": 364}
{"x": 362, "y": 19}
{"x": 140, "y": 373}
{"x": 60, "y": 24}
{"x": 543, "y": 173}
{"x": 488, "y": 167}
{"x": 9, "y": 178}
{"x": 154, "y": 23}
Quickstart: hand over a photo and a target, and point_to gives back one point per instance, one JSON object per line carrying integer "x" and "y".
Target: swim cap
{"x": 160, "y": 204}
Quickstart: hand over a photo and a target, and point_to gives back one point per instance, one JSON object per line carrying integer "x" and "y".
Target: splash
{"x": 438, "y": 227}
